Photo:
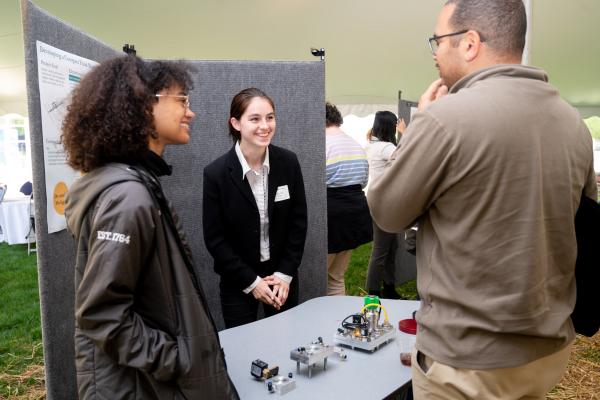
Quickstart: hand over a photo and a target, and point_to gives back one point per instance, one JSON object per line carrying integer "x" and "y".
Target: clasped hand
{"x": 272, "y": 290}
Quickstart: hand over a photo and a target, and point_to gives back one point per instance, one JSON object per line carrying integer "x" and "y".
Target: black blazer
{"x": 231, "y": 221}
{"x": 586, "y": 314}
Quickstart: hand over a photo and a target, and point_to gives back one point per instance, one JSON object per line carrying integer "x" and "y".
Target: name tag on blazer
{"x": 282, "y": 193}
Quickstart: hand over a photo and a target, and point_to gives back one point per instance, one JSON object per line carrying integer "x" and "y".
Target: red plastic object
{"x": 408, "y": 326}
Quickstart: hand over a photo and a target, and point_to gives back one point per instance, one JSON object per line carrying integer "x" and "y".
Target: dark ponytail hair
{"x": 384, "y": 127}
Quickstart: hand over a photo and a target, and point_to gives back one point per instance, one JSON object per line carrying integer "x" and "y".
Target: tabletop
{"x": 362, "y": 375}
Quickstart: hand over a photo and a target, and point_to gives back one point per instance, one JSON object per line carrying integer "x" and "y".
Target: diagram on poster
{"x": 58, "y": 73}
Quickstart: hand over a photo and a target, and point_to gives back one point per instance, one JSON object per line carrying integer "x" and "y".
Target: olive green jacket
{"x": 143, "y": 330}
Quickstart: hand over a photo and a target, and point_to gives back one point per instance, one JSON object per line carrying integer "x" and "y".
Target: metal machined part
{"x": 283, "y": 384}
{"x": 341, "y": 353}
{"x": 311, "y": 354}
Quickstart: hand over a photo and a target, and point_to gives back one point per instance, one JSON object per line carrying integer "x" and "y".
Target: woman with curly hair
{"x": 143, "y": 328}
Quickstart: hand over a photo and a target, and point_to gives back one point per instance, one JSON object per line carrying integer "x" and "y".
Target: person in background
{"x": 254, "y": 214}
{"x": 142, "y": 325}
{"x": 381, "y": 143}
{"x": 3, "y": 189}
{"x": 593, "y": 124}
{"x": 27, "y": 189}
{"x": 349, "y": 222}
{"x": 493, "y": 166}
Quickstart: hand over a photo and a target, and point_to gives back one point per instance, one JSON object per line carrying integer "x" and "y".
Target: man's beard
{"x": 449, "y": 78}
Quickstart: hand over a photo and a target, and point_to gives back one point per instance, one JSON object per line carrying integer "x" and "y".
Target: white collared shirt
{"x": 259, "y": 184}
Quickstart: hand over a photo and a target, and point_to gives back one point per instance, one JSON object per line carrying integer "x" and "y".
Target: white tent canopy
{"x": 373, "y": 49}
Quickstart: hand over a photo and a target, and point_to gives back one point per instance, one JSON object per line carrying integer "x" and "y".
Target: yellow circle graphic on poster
{"x": 60, "y": 190}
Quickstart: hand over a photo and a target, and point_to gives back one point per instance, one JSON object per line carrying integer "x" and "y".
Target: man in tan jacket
{"x": 492, "y": 167}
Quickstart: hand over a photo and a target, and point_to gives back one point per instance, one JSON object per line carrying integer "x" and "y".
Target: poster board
{"x": 406, "y": 110}
{"x": 58, "y": 73}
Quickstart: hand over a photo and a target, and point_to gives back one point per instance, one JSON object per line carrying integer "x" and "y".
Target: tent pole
{"x": 526, "y": 60}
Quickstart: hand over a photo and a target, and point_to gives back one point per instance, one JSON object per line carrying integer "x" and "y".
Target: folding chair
{"x": 27, "y": 189}
{"x": 31, "y": 232}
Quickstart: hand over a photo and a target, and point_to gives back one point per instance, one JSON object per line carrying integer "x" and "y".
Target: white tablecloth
{"x": 14, "y": 220}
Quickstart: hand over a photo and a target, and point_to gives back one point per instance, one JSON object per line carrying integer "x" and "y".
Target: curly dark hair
{"x": 110, "y": 118}
{"x": 333, "y": 116}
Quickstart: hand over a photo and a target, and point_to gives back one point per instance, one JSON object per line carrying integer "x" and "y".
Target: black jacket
{"x": 585, "y": 316}
{"x": 231, "y": 220}
{"x": 143, "y": 330}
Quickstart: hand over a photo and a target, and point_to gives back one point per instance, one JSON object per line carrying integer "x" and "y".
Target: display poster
{"x": 58, "y": 73}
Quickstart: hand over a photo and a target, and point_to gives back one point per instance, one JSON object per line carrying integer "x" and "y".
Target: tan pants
{"x": 337, "y": 264}
{"x": 531, "y": 381}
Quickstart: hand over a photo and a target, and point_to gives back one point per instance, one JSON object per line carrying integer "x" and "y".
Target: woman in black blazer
{"x": 254, "y": 214}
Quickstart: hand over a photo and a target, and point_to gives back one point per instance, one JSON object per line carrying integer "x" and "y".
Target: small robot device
{"x": 311, "y": 354}
{"x": 363, "y": 330}
{"x": 260, "y": 370}
{"x": 274, "y": 382}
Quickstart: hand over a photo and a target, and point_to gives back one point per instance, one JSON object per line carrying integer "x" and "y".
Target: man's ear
{"x": 471, "y": 44}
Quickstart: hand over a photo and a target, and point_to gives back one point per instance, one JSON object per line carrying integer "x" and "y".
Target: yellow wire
{"x": 362, "y": 310}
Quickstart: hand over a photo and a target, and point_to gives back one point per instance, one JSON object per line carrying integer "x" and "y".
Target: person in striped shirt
{"x": 349, "y": 221}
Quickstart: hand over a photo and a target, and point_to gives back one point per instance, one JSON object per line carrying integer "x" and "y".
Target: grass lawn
{"x": 20, "y": 331}
{"x": 356, "y": 275}
{"x": 21, "y": 357}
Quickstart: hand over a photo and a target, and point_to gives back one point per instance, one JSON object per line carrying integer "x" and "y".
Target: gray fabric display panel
{"x": 406, "y": 263}
{"x": 298, "y": 90}
{"x": 56, "y": 251}
{"x": 405, "y": 110}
